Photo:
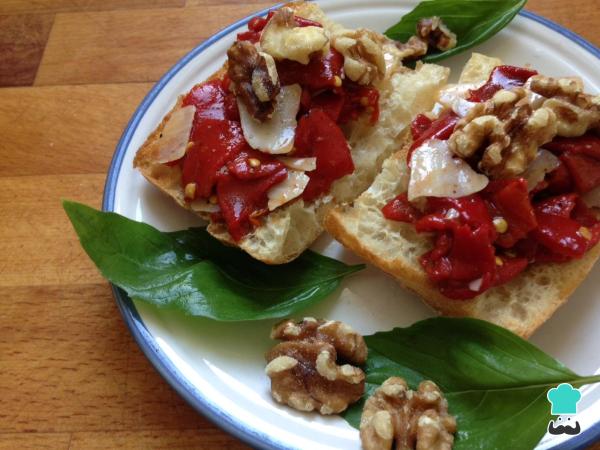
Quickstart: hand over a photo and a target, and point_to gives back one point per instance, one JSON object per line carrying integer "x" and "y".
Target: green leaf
{"x": 495, "y": 382}
{"x": 473, "y": 21}
{"x": 194, "y": 272}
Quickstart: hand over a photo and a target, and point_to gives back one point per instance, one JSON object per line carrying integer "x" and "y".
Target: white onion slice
{"x": 545, "y": 162}
{"x": 288, "y": 189}
{"x": 435, "y": 173}
{"x": 202, "y": 205}
{"x": 275, "y": 135}
{"x": 592, "y": 198}
{"x": 303, "y": 164}
{"x": 175, "y": 135}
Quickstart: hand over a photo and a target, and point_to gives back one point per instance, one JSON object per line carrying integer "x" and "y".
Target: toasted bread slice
{"x": 521, "y": 305}
{"x": 290, "y": 229}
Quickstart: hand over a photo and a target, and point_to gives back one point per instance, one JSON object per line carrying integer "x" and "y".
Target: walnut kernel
{"x": 254, "y": 78}
{"x": 507, "y": 129}
{"x": 436, "y": 33}
{"x": 410, "y": 419}
{"x": 364, "y": 60}
{"x": 304, "y": 371}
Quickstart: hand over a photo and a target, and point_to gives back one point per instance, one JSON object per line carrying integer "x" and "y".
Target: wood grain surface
{"x": 71, "y": 74}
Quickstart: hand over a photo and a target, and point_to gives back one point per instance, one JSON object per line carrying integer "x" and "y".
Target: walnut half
{"x": 410, "y": 419}
{"x": 254, "y": 78}
{"x": 431, "y": 32}
{"x": 507, "y": 129}
{"x": 304, "y": 372}
{"x": 364, "y": 61}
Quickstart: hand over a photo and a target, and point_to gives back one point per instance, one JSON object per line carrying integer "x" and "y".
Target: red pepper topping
{"x": 420, "y": 125}
{"x": 560, "y": 232}
{"x": 319, "y": 73}
{"x": 258, "y": 23}
{"x": 580, "y": 163}
{"x": 441, "y": 128}
{"x": 215, "y": 143}
{"x": 250, "y": 164}
{"x": 242, "y": 201}
{"x": 509, "y": 269}
{"x": 319, "y": 136}
{"x": 502, "y": 77}
{"x": 559, "y": 180}
{"x": 210, "y": 100}
{"x": 560, "y": 235}
{"x": 401, "y": 210}
{"x": 509, "y": 200}
{"x": 357, "y": 100}
{"x": 588, "y": 144}
{"x": 463, "y": 252}
{"x": 330, "y": 102}
{"x": 585, "y": 171}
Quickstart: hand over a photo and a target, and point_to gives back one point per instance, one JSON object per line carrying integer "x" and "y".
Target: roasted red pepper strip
{"x": 401, "y": 210}
{"x": 509, "y": 269}
{"x": 502, "y": 77}
{"x": 241, "y": 199}
{"x": 209, "y": 98}
{"x": 319, "y": 73}
{"x": 250, "y": 164}
{"x": 215, "y": 143}
{"x": 419, "y": 125}
{"x": 561, "y": 235}
{"x": 319, "y": 136}
{"x": 330, "y": 102}
{"x": 463, "y": 252}
{"x": 588, "y": 145}
{"x": 359, "y": 99}
{"x": 441, "y": 129}
{"x": 559, "y": 180}
{"x": 509, "y": 199}
{"x": 584, "y": 170}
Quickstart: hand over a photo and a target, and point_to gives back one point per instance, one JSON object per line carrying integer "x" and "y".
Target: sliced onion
{"x": 436, "y": 173}
{"x": 288, "y": 189}
{"x": 175, "y": 135}
{"x": 592, "y": 198}
{"x": 303, "y": 164}
{"x": 545, "y": 162}
{"x": 275, "y": 135}
{"x": 202, "y": 205}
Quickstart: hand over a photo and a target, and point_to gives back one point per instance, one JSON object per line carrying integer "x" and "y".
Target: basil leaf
{"x": 473, "y": 21}
{"x": 192, "y": 271}
{"x": 495, "y": 382}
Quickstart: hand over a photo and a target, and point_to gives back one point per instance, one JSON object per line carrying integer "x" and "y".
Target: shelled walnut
{"x": 410, "y": 419}
{"x": 431, "y": 32}
{"x": 435, "y": 32}
{"x": 507, "y": 130}
{"x": 576, "y": 112}
{"x": 364, "y": 60}
{"x": 304, "y": 371}
{"x": 254, "y": 78}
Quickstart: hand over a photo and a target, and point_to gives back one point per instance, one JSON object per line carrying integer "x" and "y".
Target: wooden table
{"x": 72, "y": 72}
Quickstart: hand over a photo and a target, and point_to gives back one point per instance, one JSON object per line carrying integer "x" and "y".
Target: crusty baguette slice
{"x": 521, "y": 305}
{"x": 289, "y": 230}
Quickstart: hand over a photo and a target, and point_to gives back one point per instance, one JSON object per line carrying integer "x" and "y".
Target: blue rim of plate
{"x": 135, "y": 323}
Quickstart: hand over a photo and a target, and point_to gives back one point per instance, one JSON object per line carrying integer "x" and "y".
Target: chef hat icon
{"x": 563, "y": 399}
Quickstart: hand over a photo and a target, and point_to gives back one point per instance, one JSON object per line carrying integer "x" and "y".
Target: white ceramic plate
{"x": 219, "y": 367}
